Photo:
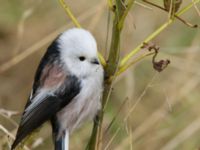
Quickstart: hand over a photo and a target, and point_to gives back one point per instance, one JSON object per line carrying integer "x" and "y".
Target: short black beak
{"x": 95, "y": 61}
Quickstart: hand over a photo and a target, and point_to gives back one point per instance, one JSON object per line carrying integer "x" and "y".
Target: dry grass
{"x": 161, "y": 109}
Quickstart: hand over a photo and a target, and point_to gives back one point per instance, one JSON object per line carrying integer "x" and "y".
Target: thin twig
{"x": 37, "y": 46}
{"x": 132, "y": 108}
{"x": 140, "y": 98}
{"x": 186, "y": 133}
{"x": 196, "y": 8}
{"x": 125, "y": 67}
{"x": 179, "y": 18}
{"x": 115, "y": 116}
{"x": 158, "y": 114}
{"x": 69, "y": 13}
{"x": 20, "y": 29}
{"x": 8, "y": 114}
{"x": 2, "y": 128}
{"x": 156, "y": 33}
{"x": 141, "y": 4}
{"x": 112, "y": 138}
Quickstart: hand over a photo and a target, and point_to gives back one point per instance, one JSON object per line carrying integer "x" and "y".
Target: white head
{"x": 78, "y": 50}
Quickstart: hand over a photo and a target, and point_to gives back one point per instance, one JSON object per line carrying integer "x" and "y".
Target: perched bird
{"x": 67, "y": 88}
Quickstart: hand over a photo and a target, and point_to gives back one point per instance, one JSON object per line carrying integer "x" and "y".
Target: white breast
{"x": 85, "y": 105}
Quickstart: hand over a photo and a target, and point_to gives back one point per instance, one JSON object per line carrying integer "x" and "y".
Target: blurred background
{"x": 154, "y": 111}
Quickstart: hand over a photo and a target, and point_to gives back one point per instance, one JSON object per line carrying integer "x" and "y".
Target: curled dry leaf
{"x": 160, "y": 65}
{"x": 157, "y": 65}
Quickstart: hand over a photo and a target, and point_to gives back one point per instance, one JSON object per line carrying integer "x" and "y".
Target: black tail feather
{"x": 36, "y": 118}
{"x": 59, "y": 140}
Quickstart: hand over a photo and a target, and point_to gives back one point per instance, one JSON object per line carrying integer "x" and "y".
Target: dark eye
{"x": 81, "y": 58}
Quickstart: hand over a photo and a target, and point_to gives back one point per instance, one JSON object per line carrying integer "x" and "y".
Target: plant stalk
{"x": 111, "y": 68}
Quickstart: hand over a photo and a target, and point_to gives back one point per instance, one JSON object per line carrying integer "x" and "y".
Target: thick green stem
{"x": 120, "y": 13}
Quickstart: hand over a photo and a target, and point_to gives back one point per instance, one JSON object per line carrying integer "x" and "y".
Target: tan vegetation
{"x": 147, "y": 110}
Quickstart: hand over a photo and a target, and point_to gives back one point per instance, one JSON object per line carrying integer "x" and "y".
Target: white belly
{"x": 83, "y": 107}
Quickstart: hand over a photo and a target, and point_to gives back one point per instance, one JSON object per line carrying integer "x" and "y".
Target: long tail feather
{"x": 61, "y": 142}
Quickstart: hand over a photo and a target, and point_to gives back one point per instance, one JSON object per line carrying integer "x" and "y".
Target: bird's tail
{"x": 61, "y": 141}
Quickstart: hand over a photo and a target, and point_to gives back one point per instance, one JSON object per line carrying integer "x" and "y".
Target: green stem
{"x": 155, "y": 33}
{"x": 69, "y": 13}
{"x": 111, "y": 68}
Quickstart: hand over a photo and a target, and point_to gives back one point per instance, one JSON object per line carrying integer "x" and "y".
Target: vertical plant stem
{"x": 112, "y": 66}
{"x": 120, "y": 13}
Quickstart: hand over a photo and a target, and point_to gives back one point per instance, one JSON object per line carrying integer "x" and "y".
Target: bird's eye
{"x": 81, "y": 58}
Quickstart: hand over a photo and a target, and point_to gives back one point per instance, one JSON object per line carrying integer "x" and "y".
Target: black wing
{"x": 40, "y": 109}
{"x": 45, "y": 110}
{"x": 49, "y": 57}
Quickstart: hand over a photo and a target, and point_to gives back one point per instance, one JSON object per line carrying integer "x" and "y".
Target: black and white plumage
{"x": 67, "y": 88}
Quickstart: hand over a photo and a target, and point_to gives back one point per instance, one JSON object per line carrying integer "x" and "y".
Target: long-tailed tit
{"x": 67, "y": 88}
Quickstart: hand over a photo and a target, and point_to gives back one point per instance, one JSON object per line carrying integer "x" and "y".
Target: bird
{"x": 67, "y": 88}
